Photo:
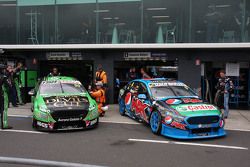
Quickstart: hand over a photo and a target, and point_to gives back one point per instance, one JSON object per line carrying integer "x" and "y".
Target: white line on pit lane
{"x": 37, "y": 162}
{"x": 189, "y": 144}
{"x": 241, "y": 130}
{"x": 21, "y": 116}
{"x": 21, "y": 131}
{"x": 118, "y": 122}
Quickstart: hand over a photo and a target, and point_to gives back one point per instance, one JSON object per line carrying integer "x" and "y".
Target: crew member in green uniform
{"x": 17, "y": 73}
{"x": 4, "y": 101}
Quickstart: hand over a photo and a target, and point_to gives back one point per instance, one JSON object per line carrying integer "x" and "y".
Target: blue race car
{"x": 171, "y": 109}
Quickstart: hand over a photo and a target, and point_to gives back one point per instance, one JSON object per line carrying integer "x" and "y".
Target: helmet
{"x": 105, "y": 108}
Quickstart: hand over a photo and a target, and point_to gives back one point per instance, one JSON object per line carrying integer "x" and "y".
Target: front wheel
{"x": 34, "y": 123}
{"x": 155, "y": 122}
{"x": 96, "y": 124}
{"x": 122, "y": 108}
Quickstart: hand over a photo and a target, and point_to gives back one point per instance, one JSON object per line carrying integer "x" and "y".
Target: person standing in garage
{"x": 54, "y": 72}
{"x": 4, "y": 101}
{"x": 17, "y": 81}
{"x": 224, "y": 88}
{"x": 101, "y": 76}
{"x": 144, "y": 75}
{"x": 11, "y": 85}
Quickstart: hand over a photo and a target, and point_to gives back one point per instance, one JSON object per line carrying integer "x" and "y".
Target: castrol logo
{"x": 203, "y": 107}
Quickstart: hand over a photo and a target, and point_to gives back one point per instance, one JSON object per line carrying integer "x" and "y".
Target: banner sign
{"x": 137, "y": 55}
{"x": 63, "y": 2}
{"x": 145, "y": 56}
{"x": 64, "y": 56}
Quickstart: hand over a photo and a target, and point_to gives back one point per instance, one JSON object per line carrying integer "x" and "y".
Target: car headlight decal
{"x": 92, "y": 107}
{"x": 222, "y": 123}
{"x": 43, "y": 108}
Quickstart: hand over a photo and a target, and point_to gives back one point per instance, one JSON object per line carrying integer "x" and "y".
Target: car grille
{"x": 68, "y": 114}
{"x": 203, "y": 120}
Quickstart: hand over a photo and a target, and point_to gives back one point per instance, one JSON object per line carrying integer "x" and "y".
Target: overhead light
{"x": 219, "y": 6}
{"x": 222, "y": 6}
{"x": 153, "y": 9}
{"x": 120, "y": 24}
{"x": 101, "y": 11}
{"x": 157, "y": 17}
{"x": 166, "y": 22}
{"x": 107, "y": 18}
{"x": 8, "y": 4}
{"x": 1, "y": 51}
{"x": 9, "y": 0}
{"x": 116, "y": 18}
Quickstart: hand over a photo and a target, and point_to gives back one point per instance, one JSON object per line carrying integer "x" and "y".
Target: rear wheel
{"x": 155, "y": 122}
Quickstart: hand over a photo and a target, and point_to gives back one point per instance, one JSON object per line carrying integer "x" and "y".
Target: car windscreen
{"x": 60, "y": 87}
{"x": 161, "y": 92}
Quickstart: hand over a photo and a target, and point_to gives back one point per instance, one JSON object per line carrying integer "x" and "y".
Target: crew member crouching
{"x": 99, "y": 94}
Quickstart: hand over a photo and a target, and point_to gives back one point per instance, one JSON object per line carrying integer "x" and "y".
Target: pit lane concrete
{"x": 238, "y": 119}
{"x": 109, "y": 145}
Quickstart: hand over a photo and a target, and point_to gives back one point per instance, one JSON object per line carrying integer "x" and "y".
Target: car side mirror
{"x": 142, "y": 96}
{"x": 32, "y": 92}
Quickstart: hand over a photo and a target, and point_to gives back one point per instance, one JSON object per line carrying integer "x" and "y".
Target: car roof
{"x": 152, "y": 80}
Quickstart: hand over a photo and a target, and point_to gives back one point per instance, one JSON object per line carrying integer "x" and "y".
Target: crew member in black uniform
{"x": 4, "y": 101}
{"x": 54, "y": 72}
{"x": 17, "y": 82}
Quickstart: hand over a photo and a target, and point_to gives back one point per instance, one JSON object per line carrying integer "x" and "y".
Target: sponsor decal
{"x": 41, "y": 124}
{"x": 173, "y": 101}
{"x": 168, "y": 119}
{"x": 50, "y": 82}
{"x": 165, "y": 83}
{"x": 68, "y": 101}
{"x": 68, "y": 119}
{"x": 70, "y": 127}
{"x": 204, "y": 126}
{"x": 178, "y": 125}
{"x": 62, "y": 81}
{"x": 202, "y": 107}
{"x": 187, "y": 100}
{"x": 128, "y": 98}
{"x": 51, "y": 125}
{"x": 140, "y": 108}
{"x": 90, "y": 123}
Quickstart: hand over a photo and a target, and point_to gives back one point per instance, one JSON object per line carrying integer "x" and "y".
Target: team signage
{"x": 64, "y": 56}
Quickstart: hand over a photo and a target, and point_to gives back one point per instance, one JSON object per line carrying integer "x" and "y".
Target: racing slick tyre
{"x": 155, "y": 122}
{"x": 96, "y": 124}
{"x": 34, "y": 123}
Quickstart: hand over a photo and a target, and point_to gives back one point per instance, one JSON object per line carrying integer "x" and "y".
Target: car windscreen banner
{"x": 65, "y": 101}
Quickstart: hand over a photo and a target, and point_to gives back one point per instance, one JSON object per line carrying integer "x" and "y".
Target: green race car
{"x": 62, "y": 103}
